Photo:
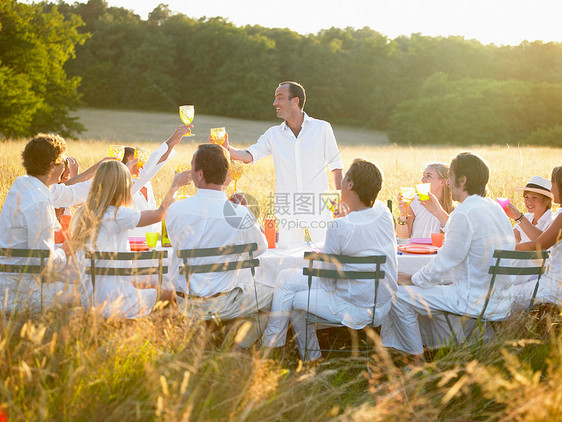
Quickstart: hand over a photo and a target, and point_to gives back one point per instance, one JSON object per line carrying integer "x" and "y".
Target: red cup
{"x": 437, "y": 239}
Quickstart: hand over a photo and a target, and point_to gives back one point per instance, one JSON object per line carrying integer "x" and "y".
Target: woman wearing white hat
{"x": 538, "y": 201}
{"x": 550, "y": 288}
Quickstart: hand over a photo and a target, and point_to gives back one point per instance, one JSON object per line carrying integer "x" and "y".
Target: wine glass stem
{"x": 235, "y": 185}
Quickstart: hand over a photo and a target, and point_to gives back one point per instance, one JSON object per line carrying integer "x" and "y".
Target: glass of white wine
{"x": 332, "y": 199}
{"x": 187, "y": 112}
{"x": 236, "y": 171}
{"x": 182, "y": 192}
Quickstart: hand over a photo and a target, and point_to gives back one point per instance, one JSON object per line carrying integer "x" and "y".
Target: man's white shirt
{"x": 200, "y": 222}
{"x": 300, "y": 162}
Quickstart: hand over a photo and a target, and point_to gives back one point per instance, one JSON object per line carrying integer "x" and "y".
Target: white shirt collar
{"x": 305, "y": 121}
{"x": 211, "y": 193}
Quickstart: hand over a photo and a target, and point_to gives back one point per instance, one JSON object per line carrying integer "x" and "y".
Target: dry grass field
{"x": 73, "y": 365}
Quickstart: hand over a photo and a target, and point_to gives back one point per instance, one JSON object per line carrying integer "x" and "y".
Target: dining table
{"x": 274, "y": 260}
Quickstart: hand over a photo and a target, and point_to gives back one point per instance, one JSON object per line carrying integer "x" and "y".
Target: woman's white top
{"x": 542, "y": 224}
{"x": 115, "y": 295}
{"x": 425, "y": 223}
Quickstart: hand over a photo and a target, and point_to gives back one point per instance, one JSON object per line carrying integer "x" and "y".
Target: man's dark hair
{"x": 476, "y": 171}
{"x": 557, "y": 178}
{"x": 41, "y": 151}
{"x": 127, "y": 152}
{"x": 214, "y": 160}
{"x": 296, "y": 90}
{"x": 367, "y": 180}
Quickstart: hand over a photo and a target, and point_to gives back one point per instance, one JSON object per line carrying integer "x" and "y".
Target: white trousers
{"x": 290, "y": 300}
{"x": 549, "y": 291}
{"x": 402, "y": 330}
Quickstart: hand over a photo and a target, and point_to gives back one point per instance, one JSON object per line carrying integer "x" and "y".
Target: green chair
{"x": 37, "y": 269}
{"x": 498, "y": 269}
{"x": 339, "y": 274}
{"x": 106, "y": 269}
{"x": 187, "y": 269}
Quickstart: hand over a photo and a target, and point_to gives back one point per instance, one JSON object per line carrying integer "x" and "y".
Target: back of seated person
{"x": 209, "y": 220}
{"x": 365, "y": 229}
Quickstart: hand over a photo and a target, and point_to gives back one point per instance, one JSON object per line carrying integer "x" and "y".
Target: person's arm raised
{"x": 547, "y": 239}
{"x": 433, "y": 206}
{"x": 174, "y": 139}
{"x": 154, "y": 216}
{"x": 237, "y": 154}
{"x": 88, "y": 174}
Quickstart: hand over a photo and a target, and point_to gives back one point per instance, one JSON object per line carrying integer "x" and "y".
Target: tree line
{"x": 437, "y": 90}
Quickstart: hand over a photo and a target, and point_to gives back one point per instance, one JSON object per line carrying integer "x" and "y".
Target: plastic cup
{"x": 152, "y": 239}
{"x": 423, "y": 191}
{"x": 437, "y": 239}
{"x": 504, "y": 202}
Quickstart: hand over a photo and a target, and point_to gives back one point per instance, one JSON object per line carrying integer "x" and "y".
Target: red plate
{"x": 417, "y": 248}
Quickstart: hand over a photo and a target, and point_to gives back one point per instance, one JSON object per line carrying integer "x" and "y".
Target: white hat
{"x": 538, "y": 184}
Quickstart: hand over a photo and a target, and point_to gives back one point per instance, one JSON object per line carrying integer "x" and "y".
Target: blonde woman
{"x": 421, "y": 218}
{"x": 103, "y": 224}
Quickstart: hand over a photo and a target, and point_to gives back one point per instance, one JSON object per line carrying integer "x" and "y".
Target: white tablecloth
{"x": 275, "y": 260}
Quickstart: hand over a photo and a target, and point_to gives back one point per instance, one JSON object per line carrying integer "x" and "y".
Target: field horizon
{"x": 144, "y": 126}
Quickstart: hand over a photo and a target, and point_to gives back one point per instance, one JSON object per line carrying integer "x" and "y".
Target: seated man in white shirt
{"x": 474, "y": 230}
{"x": 28, "y": 221}
{"x": 209, "y": 220}
{"x": 367, "y": 229}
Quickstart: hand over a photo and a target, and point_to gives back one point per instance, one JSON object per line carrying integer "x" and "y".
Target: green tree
{"x": 35, "y": 43}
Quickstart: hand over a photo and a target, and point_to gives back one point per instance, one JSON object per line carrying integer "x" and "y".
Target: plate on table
{"x": 139, "y": 247}
{"x": 421, "y": 240}
{"x": 138, "y": 244}
{"x": 418, "y": 248}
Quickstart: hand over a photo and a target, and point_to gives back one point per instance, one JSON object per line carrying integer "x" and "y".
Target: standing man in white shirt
{"x": 301, "y": 147}
{"x": 209, "y": 220}
{"x": 474, "y": 230}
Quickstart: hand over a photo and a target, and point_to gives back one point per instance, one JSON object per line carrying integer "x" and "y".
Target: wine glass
{"x": 117, "y": 151}
{"x": 332, "y": 199}
{"x": 218, "y": 135}
{"x": 236, "y": 170}
{"x": 187, "y": 112}
{"x": 408, "y": 194}
{"x": 142, "y": 155}
{"x": 182, "y": 193}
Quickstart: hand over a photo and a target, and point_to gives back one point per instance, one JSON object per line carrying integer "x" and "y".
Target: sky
{"x": 489, "y": 21}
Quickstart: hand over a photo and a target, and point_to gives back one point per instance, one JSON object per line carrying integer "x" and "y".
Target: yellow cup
{"x": 423, "y": 191}
{"x": 151, "y": 239}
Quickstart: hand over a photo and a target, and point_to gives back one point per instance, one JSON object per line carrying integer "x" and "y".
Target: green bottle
{"x": 165, "y": 240}
{"x": 389, "y": 205}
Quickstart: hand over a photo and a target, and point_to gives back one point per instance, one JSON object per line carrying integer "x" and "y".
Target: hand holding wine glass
{"x": 218, "y": 135}
{"x": 183, "y": 168}
{"x": 187, "y": 113}
{"x": 236, "y": 171}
